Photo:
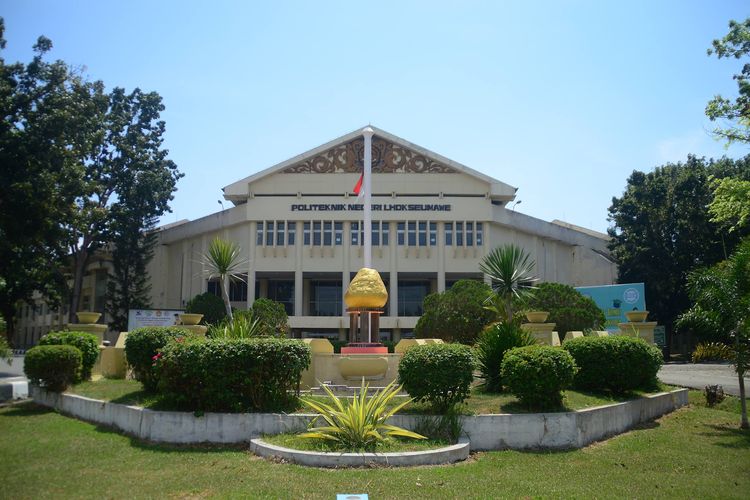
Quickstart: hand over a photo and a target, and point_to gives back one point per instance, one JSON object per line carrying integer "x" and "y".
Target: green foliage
{"x": 209, "y": 305}
{"x": 6, "y": 353}
{"x": 567, "y": 308}
{"x": 511, "y": 270}
{"x": 661, "y": 230}
{"x": 87, "y": 343}
{"x": 243, "y": 326}
{"x": 615, "y": 363}
{"x": 731, "y": 204}
{"x": 492, "y": 345}
{"x": 538, "y": 374}
{"x": 233, "y": 374}
{"x": 142, "y": 347}
{"x": 53, "y": 367}
{"x": 437, "y": 373}
{"x": 224, "y": 261}
{"x": 272, "y": 317}
{"x": 359, "y": 424}
{"x": 706, "y": 325}
{"x": 712, "y": 351}
{"x": 736, "y": 115}
{"x": 456, "y": 315}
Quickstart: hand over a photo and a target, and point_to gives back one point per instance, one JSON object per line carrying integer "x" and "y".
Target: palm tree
{"x": 724, "y": 291}
{"x": 223, "y": 260}
{"x": 511, "y": 270}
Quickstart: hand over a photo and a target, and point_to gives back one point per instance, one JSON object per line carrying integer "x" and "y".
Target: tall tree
{"x": 126, "y": 172}
{"x": 48, "y": 118}
{"x": 734, "y": 114}
{"x": 661, "y": 230}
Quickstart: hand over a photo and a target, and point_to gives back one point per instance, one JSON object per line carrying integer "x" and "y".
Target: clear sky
{"x": 560, "y": 99}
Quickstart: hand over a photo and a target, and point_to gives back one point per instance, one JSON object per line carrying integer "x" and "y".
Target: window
{"x": 433, "y": 234}
{"x": 237, "y": 289}
{"x": 448, "y": 233}
{"x": 400, "y": 232}
{"x": 384, "y": 230}
{"x": 259, "y": 233}
{"x": 411, "y": 296}
{"x": 354, "y": 236}
{"x": 480, "y": 234}
{"x": 280, "y": 229}
{"x": 422, "y": 234}
{"x": 269, "y": 233}
{"x": 412, "y": 233}
{"x": 316, "y": 233}
{"x": 291, "y": 229}
{"x": 375, "y": 234}
{"x": 459, "y": 234}
{"x": 282, "y": 291}
{"x": 327, "y": 233}
{"x": 469, "y": 234}
{"x": 325, "y": 298}
{"x": 306, "y": 233}
{"x": 338, "y": 232}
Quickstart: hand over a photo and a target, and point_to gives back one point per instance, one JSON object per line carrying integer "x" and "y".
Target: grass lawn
{"x": 129, "y": 392}
{"x": 694, "y": 452}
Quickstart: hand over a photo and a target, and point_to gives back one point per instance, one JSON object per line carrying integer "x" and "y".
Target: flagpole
{"x": 368, "y": 133}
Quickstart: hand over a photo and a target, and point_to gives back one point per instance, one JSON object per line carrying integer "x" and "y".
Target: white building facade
{"x": 300, "y": 229}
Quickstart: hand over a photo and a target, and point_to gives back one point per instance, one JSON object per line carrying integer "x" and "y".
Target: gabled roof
{"x": 238, "y": 191}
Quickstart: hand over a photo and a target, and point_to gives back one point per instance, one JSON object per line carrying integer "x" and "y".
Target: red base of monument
{"x": 364, "y": 348}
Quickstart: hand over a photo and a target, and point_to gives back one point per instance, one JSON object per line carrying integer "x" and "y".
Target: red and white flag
{"x": 358, "y": 186}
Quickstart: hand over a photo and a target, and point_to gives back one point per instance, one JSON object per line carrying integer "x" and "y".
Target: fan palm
{"x": 224, "y": 261}
{"x": 511, "y": 270}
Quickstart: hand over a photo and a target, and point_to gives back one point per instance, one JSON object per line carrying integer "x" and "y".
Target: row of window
{"x": 331, "y": 233}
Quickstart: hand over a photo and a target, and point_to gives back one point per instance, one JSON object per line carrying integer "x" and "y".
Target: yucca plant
{"x": 511, "y": 270}
{"x": 224, "y": 261}
{"x": 242, "y": 326}
{"x": 359, "y": 423}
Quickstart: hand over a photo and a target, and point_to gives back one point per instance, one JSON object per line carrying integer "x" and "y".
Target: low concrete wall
{"x": 486, "y": 432}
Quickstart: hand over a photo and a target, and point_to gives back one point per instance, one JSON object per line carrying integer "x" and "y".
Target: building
{"x": 300, "y": 228}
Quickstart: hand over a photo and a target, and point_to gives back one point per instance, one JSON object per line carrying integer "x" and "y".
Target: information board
{"x": 616, "y": 300}
{"x": 138, "y": 318}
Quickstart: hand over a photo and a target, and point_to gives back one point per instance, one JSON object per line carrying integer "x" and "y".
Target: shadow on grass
{"x": 172, "y": 448}
{"x": 26, "y": 409}
{"x": 728, "y": 436}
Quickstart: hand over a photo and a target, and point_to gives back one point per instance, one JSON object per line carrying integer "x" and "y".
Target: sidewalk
{"x": 698, "y": 376}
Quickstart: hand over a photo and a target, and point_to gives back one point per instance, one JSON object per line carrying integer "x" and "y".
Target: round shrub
{"x": 209, "y": 305}
{"x": 274, "y": 321}
{"x": 142, "y": 347}
{"x": 439, "y": 374}
{"x": 259, "y": 374}
{"x": 538, "y": 374}
{"x": 53, "y": 367}
{"x": 492, "y": 345}
{"x": 615, "y": 363}
{"x": 87, "y": 343}
{"x": 568, "y": 308}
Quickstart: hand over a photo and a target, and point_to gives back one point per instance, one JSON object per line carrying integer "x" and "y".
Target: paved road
{"x": 700, "y": 375}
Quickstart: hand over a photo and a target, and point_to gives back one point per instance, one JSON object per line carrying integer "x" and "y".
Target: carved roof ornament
{"x": 386, "y": 158}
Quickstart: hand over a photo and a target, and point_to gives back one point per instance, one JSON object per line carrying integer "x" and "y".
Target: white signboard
{"x": 138, "y": 318}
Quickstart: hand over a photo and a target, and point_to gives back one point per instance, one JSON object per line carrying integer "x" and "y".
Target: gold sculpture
{"x": 366, "y": 290}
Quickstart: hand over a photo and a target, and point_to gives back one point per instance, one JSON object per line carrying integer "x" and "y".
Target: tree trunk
{"x": 743, "y": 404}
{"x": 79, "y": 268}
{"x": 225, "y": 296}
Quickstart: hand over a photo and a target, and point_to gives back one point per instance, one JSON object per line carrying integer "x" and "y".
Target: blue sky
{"x": 560, "y": 99}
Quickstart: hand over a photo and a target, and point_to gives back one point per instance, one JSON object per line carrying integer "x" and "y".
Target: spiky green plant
{"x": 511, "y": 270}
{"x": 243, "y": 326}
{"x": 224, "y": 261}
{"x": 359, "y": 423}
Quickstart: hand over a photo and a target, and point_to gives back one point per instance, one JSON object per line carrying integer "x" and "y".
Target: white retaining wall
{"x": 487, "y": 432}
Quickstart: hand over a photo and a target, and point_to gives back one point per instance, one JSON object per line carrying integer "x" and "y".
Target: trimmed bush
{"x": 272, "y": 316}
{"x": 53, "y": 367}
{"x": 615, "y": 363}
{"x": 568, "y": 308}
{"x": 87, "y": 343}
{"x": 439, "y": 374}
{"x": 492, "y": 345}
{"x": 233, "y": 375}
{"x": 142, "y": 347}
{"x": 538, "y": 374}
{"x": 209, "y": 305}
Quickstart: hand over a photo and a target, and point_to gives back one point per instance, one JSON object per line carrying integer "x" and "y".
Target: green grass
{"x": 129, "y": 392}
{"x": 695, "y": 452}
{"x": 389, "y": 446}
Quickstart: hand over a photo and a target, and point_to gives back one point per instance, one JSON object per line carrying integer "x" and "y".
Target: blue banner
{"x": 615, "y": 300}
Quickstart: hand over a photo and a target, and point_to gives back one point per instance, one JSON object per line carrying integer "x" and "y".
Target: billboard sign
{"x": 138, "y": 318}
{"x": 616, "y": 300}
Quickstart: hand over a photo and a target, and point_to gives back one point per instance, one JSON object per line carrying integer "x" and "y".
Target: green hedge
{"x": 233, "y": 375}
{"x": 439, "y": 374}
{"x": 492, "y": 345}
{"x": 87, "y": 343}
{"x": 53, "y": 367}
{"x": 209, "y": 305}
{"x": 538, "y": 374}
{"x": 615, "y": 363}
{"x": 142, "y": 346}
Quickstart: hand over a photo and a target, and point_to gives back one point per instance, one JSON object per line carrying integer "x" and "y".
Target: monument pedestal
{"x": 94, "y": 328}
{"x": 196, "y": 329}
{"x": 644, "y": 330}
{"x": 543, "y": 333}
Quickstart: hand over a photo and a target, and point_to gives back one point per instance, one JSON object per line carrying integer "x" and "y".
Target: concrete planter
{"x": 537, "y": 316}
{"x": 190, "y": 319}
{"x": 636, "y": 316}
{"x": 88, "y": 317}
{"x": 563, "y": 430}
